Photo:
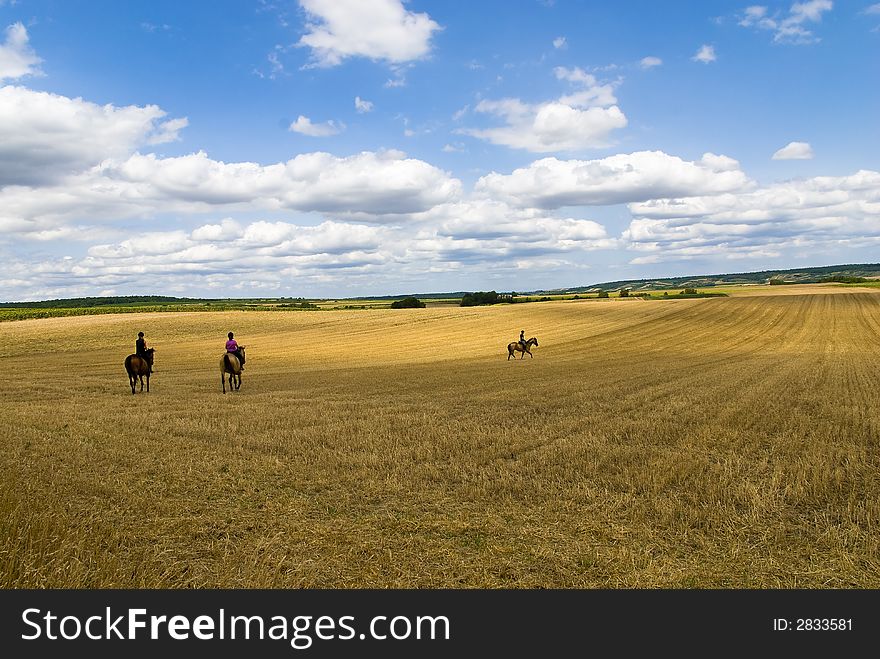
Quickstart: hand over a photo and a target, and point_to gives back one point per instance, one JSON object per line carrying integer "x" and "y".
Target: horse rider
{"x": 235, "y": 349}
{"x": 522, "y": 339}
{"x": 140, "y": 349}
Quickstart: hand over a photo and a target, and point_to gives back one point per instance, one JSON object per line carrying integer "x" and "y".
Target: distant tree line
{"x": 483, "y": 297}
{"x": 842, "y": 279}
{"x": 408, "y": 303}
{"x": 77, "y": 302}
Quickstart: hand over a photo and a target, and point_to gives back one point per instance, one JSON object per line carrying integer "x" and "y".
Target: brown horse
{"x": 516, "y": 346}
{"x": 229, "y": 365}
{"x": 139, "y": 368}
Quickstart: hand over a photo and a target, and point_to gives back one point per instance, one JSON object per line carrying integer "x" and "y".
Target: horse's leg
{"x": 148, "y": 382}
{"x": 132, "y": 382}
{"x": 223, "y": 381}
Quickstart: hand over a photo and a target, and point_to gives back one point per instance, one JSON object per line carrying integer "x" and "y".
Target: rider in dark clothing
{"x": 522, "y": 339}
{"x": 140, "y": 349}
{"x": 140, "y": 346}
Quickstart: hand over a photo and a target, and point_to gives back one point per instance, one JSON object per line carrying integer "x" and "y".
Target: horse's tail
{"x": 128, "y": 367}
{"x": 228, "y": 364}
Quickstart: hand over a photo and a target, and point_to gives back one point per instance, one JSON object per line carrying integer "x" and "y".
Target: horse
{"x": 139, "y": 367}
{"x": 517, "y": 346}
{"x": 230, "y": 365}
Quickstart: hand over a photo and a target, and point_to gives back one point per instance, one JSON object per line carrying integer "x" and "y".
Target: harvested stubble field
{"x": 729, "y": 442}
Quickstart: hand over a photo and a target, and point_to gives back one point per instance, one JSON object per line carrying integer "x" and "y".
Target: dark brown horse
{"x": 231, "y": 367}
{"x": 139, "y": 368}
{"x": 516, "y": 346}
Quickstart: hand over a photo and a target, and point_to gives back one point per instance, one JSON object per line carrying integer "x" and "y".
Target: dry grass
{"x": 727, "y": 442}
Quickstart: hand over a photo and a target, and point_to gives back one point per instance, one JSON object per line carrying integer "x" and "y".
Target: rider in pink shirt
{"x": 233, "y": 347}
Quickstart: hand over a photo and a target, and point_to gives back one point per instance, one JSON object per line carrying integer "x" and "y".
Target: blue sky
{"x": 356, "y": 147}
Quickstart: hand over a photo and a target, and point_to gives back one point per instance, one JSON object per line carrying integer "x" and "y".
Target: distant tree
{"x": 842, "y": 279}
{"x": 689, "y": 291}
{"x": 479, "y": 298}
{"x": 624, "y": 292}
{"x": 602, "y": 294}
{"x": 408, "y": 303}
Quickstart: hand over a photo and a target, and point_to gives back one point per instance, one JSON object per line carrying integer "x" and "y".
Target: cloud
{"x": 559, "y": 42}
{"x": 154, "y": 27}
{"x": 814, "y": 213}
{"x": 45, "y": 136}
{"x": 622, "y": 178}
{"x": 580, "y": 120}
{"x": 705, "y": 54}
{"x": 398, "y": 81}
{"x": 794, "y": 151}
{"x": 650, "y": 62}
{"x": 168, "y": 131}
{"x": 362, "y": 106}
{"x": 379, "y": 30}
{"x": 17, "y": 58}
{"x": 304, "y": 126}
{"x": 873, "y": 10}
{"x": 482, "y": 236}
{"x": 378, "y": 186}
{"x": 789, "y": 28}
{"x": 276, "y": 66}
{"x": 494, "y": 220}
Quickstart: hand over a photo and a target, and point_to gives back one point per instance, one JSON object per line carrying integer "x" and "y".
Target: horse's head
{"x": 149, "y": 354}
{"x": 533, "y": 339}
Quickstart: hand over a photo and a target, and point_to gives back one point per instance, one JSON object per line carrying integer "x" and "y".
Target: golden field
{"x": 728, "y": 442}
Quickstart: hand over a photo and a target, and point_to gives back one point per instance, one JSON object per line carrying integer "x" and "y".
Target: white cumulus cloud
{"x": 794, "y": 151}
{"x": 650, "y": 62}
{"x": 481, "y": 236}
{"x": 814, "y": 213}
{"x": 788, "y": 28}
{"x": 373, "y": 186}
{"x": 378, "y": 30}
{"x": 304, "y": 126}
{"x": 17, "y": 58}
{"x": 582, "y": 119}
{"x": 622, "y": 178}
{"x": 44, "y": 136}
{"x": 705, "y": 54}
{"x": 362, "y": 106}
